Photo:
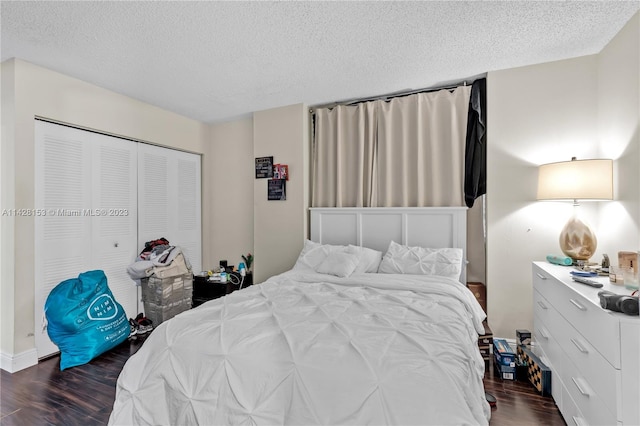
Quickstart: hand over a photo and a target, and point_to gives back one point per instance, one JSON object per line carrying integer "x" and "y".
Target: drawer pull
{"x": 578, "y": 421}
{"x": 577, "y": 305}
{"x": 579, "y": 346}
{"x": 543, "y": 334}
{"x": 582, "y": 391}
{"x": 542, "y": 305}
{"x": 542, "y": 277}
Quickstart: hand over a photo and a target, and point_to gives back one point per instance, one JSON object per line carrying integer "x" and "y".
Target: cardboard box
{"x": 505, "y": 372}
{"x": 523, "y": 337}
{"x": 537, "y": 372}
{"x": 503, "y": 353}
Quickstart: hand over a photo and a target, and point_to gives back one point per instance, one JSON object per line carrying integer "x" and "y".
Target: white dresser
{"x": 594, "y": 354}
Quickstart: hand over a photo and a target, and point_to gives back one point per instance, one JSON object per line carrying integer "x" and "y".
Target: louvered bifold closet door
{"x": 114, "y": 232}
{"x": 169, "y": 200}
{"x": 84, "y": 183}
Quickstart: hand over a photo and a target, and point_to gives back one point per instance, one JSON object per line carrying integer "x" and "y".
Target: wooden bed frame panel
{"x": 375, "y": 227}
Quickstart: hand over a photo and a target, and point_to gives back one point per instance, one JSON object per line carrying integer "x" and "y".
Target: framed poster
{"x": 264, "y": 167}
{"x": 281, "y": 171}
{"x": 277, "y": 190}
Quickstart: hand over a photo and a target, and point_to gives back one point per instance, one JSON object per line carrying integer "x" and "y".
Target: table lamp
{"x": 576, "y": 180}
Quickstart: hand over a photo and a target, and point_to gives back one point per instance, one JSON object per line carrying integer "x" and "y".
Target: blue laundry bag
{"x": 84, "y": 320}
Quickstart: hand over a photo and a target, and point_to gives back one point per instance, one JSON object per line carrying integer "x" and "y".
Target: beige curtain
{"x": 407, "y": 152}
{"x": 344, "y": 156}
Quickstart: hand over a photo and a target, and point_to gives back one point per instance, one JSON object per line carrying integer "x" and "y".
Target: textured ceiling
{"x": 216, "y": 61}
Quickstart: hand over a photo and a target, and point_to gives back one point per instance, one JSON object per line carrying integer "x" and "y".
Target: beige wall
{"x": 280, "y": 226}
{"x": 545, "y": 113}
{"x": 41, "y": 92}
{"x": 231, "y": 193}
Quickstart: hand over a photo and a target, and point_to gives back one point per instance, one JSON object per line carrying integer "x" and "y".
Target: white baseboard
{"x": 511, "y": 342}
{"x": 17, "y": 362}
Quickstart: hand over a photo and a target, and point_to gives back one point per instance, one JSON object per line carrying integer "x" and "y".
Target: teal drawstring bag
{"x": 84, "y": 320}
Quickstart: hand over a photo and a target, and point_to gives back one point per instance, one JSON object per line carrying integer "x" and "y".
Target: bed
{"x": 350, "y": 335}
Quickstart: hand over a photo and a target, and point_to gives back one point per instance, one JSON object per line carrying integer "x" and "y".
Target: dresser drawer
{"x": 544, "y": 318}
{"x": 596, "y": 325}
{"x": 590, "y": 364}
{"x": 572, "y": 415}
{"x": 542, "y": 308}
{"x": 547, "y": 348}
{"x": 587, "y": 400}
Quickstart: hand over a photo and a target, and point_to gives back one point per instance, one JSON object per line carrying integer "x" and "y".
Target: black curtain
{"x": 475, "y": 160}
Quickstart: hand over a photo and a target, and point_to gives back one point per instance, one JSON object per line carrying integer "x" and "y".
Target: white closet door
{"x": 77, "y": 173}
{"x": 169, "y": 200}
{"x": 114, "y": 224}
{"x": 62, "y": 191}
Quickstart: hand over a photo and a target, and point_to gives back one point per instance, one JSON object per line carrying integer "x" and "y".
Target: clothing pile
{"x": 158, "y": 258}
{"x": 165, "y": 276}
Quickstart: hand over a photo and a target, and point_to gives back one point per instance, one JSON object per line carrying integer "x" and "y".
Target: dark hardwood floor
{"x": 84, "y": 395}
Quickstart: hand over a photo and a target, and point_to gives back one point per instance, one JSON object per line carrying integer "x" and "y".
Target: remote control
{"x": 587, "y": 281}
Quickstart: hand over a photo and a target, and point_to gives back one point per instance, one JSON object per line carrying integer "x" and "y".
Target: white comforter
{"x": 306, "y": 348}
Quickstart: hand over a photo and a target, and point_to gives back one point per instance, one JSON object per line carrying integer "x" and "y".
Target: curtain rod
{"x": 396, "y": 94}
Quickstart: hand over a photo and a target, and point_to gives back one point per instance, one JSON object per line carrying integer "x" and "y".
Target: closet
{"x": 98, "y": 199}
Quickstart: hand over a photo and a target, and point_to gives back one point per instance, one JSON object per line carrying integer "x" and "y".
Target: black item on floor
{"x": 491, "y": 399}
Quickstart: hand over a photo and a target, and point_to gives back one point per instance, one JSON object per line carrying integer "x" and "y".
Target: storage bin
{"x": 165, "y": 298}
{"x": 160, "y": 313}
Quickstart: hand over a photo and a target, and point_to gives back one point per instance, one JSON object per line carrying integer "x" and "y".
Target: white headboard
{"x": 375, "y": 227}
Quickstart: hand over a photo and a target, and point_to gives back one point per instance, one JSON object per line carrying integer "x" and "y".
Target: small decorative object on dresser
{"x": 592, "y": 352}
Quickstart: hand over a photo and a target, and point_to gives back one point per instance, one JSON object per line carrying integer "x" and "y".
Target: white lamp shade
{"x": 576, "y": 180}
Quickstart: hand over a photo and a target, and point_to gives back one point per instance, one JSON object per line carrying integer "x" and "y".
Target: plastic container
{"x": 630, "y": 277}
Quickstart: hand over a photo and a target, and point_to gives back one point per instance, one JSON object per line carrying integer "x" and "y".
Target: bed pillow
{"x": 369, "y": 259}
{"x": 400, "y": 259}
{"x": 313, "y": 254}
{"x": 339, "y": 263}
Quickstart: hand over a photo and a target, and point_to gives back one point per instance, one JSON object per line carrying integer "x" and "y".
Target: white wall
{"x": 551, "y": 112}
{"x": 280, "y": 227}
{"x": 35, "y": 91}
{"x": 619, "y": 138}
{"x": 7, "y": 197}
